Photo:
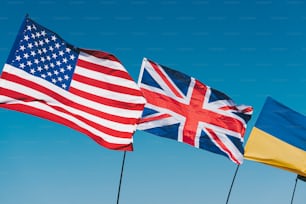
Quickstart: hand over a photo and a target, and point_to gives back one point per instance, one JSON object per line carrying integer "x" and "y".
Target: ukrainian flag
{"x": 279, "y": 138}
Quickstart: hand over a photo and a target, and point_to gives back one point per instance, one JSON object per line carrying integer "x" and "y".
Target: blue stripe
{"x": 283, "y": 123}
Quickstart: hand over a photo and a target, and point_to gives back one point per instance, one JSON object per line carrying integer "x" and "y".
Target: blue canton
{"x": 44, "y": 54}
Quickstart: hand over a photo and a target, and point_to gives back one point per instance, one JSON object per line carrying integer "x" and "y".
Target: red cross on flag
{"x": 182, "y": 108}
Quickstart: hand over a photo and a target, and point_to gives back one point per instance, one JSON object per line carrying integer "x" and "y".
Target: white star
{"x": 53, "y": 37}
{"x": 55, "y": 72}
{"x": 39, "y": 68}
{"x": 61, "y": 53}
{"x": 26, "y": 37}
{"x": 66, "y": 77}
{"x": 22, "y": 66}
{"x": 48, "y": 58}
{"x": 54, "y": 81}
{"x": 54, "y": 55}
{"x": 62, "y": 70}
{"x": 47, "y": 40}
{"x": 49, "y": 74}
{"x": 58, "y": 63}
{"x": 34, "y": 27}
{"x": 33, "y": 36}
{"x": 39, "y": 51}
{"x": 65, "y": 60}
{"x": 18, "y": 58}
{"x": 41, "y": 43}
{"x": 46, "y": 67}
{"x": 36, "y": 43}
{"x": 44, "y": 50}
{"x": 22, "y": 47}
{"x": 26, "y": 55}
{"x": 42, "y": 59}
{"x": 64, "y": 86}
{"x": 29, "y": 27}
{"x": 68, "y": 50}
{"x": 38, "y": 34}
{"x": 33, "y": 53}
{"x": 29, "y": 63}
{"x": 43, "y": 76}
{"x": 32, "y": 71}
{"x": 57, "y": 45}
{"x": 43, "y": 33}
{"x": 30, "y": 45}
{"x": 52, "y": 65}
{"x": 36, "y": 61}
{"x": 69, "y": 67}
{"x": 51, "y": 48}
{"x": 59, "y": 79}
{"x": 72, "y": 57}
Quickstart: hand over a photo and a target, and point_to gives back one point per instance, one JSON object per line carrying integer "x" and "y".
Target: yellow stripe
{"x": 263, "y": 147}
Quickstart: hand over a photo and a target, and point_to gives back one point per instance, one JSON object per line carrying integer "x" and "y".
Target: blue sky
{"x": 246, "y": 49}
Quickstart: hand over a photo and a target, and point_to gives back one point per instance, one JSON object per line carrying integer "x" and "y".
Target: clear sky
{"x": 246, "y": 49}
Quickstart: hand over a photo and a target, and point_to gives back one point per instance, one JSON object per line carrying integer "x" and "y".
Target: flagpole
{"x": 121, "y": 174}
{"x": 230, "y": 190}
{"x": 294, "y": 189}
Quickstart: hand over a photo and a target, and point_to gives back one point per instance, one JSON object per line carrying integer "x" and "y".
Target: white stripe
{"x": 143, "y": 64}
{"x": 219, "y": 129}
{"x": 104, "y": 62}
{"x": 190, "y": 90}
{"x": 77, "y": 99}
{"x": 107, "y": 94}
{"x": 167, "y": 91}
{"x": 206, "y": 97}
{"x": 226, "y": 113}
{"x": 174, "y": 118}
{"x": 243, "y": 107}
{"x": 51, "y": 101}
{"x": 105, "y": 77}
{"x": 221, "y": 103}
{"x": 157, "y": 123}
{"x": 44, "y": 107}
{"x": 230, "y": 146}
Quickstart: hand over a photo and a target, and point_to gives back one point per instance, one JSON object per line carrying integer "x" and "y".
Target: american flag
{"x": 180, "y": 107}
{"x": 89, "y": 91}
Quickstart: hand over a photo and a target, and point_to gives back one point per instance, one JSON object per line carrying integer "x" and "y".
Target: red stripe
{"x": 221, "y": 145}
{"x": 63, "y": 100}
{"x": 101, "y": 55}
{"x": 225, "y": 108}
{"x": 107, "y": 101}
{"x": 248, "y": 110}
{"x": 165, "y": 79}
{"x": 60, "y": 120}
{"x": 193, "y": 114}
{"x": 106, "y": 85}
{"x": 103, "y": 69}
{"x": 149, "y": 119}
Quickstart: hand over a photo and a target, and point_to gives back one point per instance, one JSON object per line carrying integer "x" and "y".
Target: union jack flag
{"x": 182, "y": 108}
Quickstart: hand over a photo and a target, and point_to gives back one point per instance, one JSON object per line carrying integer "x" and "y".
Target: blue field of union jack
{"x": 182, "y": 108}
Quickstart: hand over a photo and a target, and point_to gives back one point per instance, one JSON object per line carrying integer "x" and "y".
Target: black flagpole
{"x": 230, "y": 190}
{"x": 294, "y": 189}
{"x": 122, "y": 167}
